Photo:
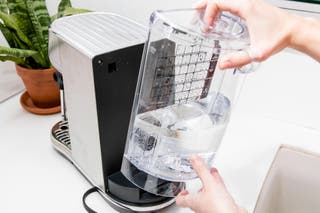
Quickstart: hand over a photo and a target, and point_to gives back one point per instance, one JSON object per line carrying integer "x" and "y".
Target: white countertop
{"x": 275, "y": 107}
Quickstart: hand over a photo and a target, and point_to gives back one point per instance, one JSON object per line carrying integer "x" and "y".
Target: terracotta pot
{"x": 41, "y": 87}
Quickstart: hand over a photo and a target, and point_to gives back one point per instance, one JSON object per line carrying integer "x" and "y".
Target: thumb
{"x": 184, "y": 199}
{"x": 202, "y": 171}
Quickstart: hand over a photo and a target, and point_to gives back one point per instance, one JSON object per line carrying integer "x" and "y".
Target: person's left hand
{"x": 213, "y": 197}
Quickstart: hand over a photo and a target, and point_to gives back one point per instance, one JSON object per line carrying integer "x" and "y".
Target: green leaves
{"x": 3, "y": 6}
{"x": 19, "y": 32}
{"x": 16, "y": 60}
{"x": 16, "y": 55}
{"x": 25, "y": 25}
{"x": 40, "y": 20}
{"x": 64, "y": 4}
{"x": 11, "y": 24}
{"x": 16, "y": 52}
{"x": 65, "y": 9}
{"x": 72, "y": 11}
{"x": 8, "y": 35}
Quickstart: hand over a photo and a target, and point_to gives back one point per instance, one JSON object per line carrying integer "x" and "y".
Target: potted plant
{"x": 25, "y": 25}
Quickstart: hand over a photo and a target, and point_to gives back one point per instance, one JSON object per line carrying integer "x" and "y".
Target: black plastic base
{"x": 150, "y": 183}
{"x": 121, "y": 187}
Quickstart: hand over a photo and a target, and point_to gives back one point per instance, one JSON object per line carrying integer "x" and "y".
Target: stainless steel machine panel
{"x": 111, "y": 32}
{"x": 74, "y": 43}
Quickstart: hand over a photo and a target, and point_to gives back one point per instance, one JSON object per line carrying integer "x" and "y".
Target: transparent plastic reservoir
{"x": 183, "y": 100}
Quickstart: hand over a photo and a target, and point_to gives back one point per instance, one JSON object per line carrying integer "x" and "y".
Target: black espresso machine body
{"x": 99, "y": 56}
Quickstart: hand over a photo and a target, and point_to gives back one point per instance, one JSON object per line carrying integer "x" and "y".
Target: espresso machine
{"x": 136, "y": 103}
{"x": 98, "y": 56}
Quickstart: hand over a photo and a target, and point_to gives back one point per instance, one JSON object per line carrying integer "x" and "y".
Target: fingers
{"x": 213, "y": 7}
{"x": 184, "y": 199}
{"x": 211, "y": 10}
{"x": 210, "y": 13}
{"x": 235, "y": 60}
{"x": 214, "y": 172}
{"x": 202, "y": 171}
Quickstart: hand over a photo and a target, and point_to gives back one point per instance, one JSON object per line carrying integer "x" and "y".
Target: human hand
{"x": 213, "y": 197}
{"x": 270, "y": 28}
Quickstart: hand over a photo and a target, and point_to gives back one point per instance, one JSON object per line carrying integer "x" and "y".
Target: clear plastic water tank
{"x": 183, "y": 100}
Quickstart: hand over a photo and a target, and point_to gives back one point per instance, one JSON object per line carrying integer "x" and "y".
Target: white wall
{"x": 286, "y": 88}
{"x": 10, "y": 83}
{"x": 138, "y": 10}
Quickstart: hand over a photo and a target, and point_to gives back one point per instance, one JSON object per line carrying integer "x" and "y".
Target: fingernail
{"x": 214, "y": 170}
{"x": 205, "y": 29}
{"x": 194, "y": 158}
{"x": 184, "y": 192}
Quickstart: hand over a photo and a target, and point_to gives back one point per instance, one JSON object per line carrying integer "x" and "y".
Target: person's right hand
{"x": 213, "y": 197}
{"x": 270, "y": 28}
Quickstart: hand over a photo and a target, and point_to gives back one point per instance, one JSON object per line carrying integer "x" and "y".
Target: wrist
{"x": 300, "y": 28}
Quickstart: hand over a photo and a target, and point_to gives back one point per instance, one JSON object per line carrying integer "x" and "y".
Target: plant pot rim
{"x": 25, "y": 68}
{"x": 36, "y": 74}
